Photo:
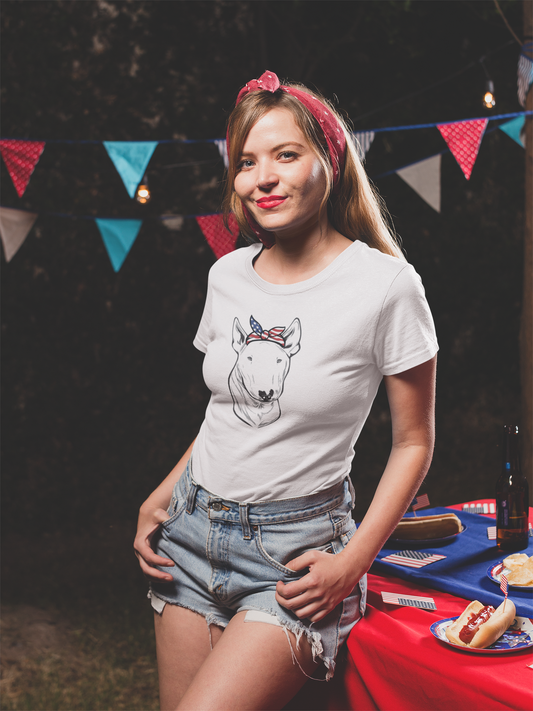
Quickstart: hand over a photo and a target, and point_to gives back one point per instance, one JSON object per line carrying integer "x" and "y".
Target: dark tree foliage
{"x": 102, "y": 389}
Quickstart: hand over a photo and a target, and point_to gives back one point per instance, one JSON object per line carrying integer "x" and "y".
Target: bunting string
{"x": 408, "y": 127}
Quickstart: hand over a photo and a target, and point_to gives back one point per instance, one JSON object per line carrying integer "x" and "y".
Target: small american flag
{"x": 419, "y": 502}
{"x": 412, "y": 559}
{"x": 425, "y": 603}
{"x": 504, "y": 584}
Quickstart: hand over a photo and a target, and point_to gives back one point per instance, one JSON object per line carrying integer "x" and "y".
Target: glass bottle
{"x": 512, "y": 496}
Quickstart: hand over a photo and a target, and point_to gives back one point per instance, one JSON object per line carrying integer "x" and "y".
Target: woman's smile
{"x": 267, "y": 203}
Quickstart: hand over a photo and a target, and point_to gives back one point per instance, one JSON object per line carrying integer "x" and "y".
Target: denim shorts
{"x": 229, "y": 556}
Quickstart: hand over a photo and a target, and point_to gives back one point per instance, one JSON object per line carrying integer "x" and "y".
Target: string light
{"x": 143, "y": 194}
{"x": 489, "y": 100}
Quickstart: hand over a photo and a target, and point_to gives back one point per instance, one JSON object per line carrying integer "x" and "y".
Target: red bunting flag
{"x": 21, "y": 157}
{"x": 463, "y": 139}
{"x": 220, "y": 240}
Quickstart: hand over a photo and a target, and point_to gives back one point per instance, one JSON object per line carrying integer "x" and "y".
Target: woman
{"x": 252, "y": 530}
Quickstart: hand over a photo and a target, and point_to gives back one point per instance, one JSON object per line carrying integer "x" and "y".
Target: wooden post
{"x": 526, "y": 326}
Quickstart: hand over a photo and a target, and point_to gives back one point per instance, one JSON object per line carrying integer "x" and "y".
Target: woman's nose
{"x": 267, "y": 177}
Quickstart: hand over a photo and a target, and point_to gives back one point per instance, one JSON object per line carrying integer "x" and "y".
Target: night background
{"x": 102, "y": 388}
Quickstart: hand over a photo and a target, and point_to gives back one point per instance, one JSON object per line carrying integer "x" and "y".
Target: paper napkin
{"x": 424, "y": 603}
{"x": 412, "y": 559}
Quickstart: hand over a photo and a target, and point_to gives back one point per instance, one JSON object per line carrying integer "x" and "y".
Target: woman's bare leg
{"x": 182, "y": 642}
{"x": 251, "y": 667}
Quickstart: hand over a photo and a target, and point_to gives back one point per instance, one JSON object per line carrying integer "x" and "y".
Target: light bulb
{"x": 489, "y": 102}
{"x": 143, "y": 194}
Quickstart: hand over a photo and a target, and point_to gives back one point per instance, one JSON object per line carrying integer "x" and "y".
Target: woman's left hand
{"x": 330, "y": 579}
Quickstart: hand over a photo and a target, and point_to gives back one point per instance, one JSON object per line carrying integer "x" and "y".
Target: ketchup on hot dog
{"x": 469, "y": 630}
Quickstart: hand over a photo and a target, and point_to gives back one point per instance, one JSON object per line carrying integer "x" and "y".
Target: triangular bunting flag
{"x": 514, "y": 129}
{"x": 21, "y": 157}
{"x": 118, "y": 236}
{"x": 363, "y": 141}
{"x": 424, "y": 178}
{"x": 131, "y": 160}
{"x": 220, "y": 240}
{"x": 221, "y": 145}
{"x": 463, "y": 139}
{"x": 14, "y": 228}
{"x": 525, "y": 71}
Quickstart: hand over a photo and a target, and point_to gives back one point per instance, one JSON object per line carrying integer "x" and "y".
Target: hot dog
{"x": 479, "y": 625}
{"x": 421, "y": 528}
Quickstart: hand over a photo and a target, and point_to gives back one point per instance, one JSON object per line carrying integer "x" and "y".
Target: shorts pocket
{"x": 279, "y": 544}
{"x": 176, "y": 507}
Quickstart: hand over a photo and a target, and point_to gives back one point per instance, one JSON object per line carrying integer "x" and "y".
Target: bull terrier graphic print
{"x": 263, "y": 362}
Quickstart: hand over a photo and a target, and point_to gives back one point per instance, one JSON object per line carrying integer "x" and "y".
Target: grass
{"x": 82, "y": 640}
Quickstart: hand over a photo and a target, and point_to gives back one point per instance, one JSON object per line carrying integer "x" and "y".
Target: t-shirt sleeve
{"x": 405, "y": 334}
{"x": 203, "y": 334}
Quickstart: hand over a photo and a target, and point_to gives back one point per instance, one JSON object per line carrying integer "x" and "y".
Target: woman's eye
{"x": 245, "y": 164}
{"x": 287, "y": 155}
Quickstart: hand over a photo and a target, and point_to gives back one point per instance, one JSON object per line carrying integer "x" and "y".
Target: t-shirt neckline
{"x": 299, "y": 286}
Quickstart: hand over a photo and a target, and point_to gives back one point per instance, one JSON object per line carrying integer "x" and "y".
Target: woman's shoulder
{"x": 378, "y": 265}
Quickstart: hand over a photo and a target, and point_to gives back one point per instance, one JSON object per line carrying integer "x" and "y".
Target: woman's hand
{"x": 151, "y": 515}
{"x": 330, "y": 579}
{"x": 150, "y": 519}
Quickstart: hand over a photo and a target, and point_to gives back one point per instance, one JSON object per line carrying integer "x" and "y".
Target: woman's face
{"x": 279, "y": 177}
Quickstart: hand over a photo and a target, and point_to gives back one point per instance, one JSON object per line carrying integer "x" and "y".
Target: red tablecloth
{"x": 395, "y": 664}
{"x": 392, "y": 662}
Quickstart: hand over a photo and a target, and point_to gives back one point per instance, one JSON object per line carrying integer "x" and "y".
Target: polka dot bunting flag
{"x": 464, "y": 139}
{"x": 220, "y": 240}
{"x": 21, "y": 157}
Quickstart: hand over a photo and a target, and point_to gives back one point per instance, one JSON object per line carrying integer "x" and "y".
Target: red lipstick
{"x": 270, "y": 201}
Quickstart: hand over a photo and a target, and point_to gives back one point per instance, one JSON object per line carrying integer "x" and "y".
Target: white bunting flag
{"x": 221, "y": 145}
{"x": 14, "y": 228}
{"x": 525, "y": 71}
{"x": 363, "y": 141}
{"x": 424, "y": 178}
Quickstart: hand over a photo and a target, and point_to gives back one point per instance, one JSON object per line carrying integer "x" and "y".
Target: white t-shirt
{"x": 294, "y": 369}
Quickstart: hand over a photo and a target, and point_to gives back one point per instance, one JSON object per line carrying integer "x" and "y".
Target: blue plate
{"x": 494, "y": 572}
{"x": 513, "y": 640}
{"x": 423, "y": 543}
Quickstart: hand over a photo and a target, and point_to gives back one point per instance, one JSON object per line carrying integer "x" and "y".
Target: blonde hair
{"x": 354, "y": 209}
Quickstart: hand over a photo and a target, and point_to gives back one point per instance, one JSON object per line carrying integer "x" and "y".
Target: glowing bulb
{"x": 489, "y": 102}
{"x": 143, "y": 194}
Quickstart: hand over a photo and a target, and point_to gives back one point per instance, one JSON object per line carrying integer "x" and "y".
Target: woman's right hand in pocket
{"x": 150, "y": 519}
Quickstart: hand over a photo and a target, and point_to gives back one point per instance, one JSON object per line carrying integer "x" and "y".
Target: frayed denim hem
{"x": 298, "y": 629}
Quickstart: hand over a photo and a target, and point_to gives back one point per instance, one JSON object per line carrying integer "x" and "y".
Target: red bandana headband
{"x": 333, "y": 133}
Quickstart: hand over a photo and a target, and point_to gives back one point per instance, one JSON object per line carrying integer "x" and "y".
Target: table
{"x": 464, "y": 570}
{"x": 393, "y": 663}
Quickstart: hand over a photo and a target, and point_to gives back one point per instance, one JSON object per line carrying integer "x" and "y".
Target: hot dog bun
{"x": 489, "y": 631}
{"x": 420, "y": 528}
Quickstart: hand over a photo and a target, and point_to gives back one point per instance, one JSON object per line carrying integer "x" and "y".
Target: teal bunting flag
{"x": 131, "y": 160}
{"x": 513, "y": 129}
{"x": 118, "y": 236}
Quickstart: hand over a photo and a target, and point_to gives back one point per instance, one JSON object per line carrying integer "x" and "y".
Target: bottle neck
{"x": 511, "y": 449}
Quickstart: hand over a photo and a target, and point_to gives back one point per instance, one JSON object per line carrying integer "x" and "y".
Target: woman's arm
{"x": 331, "y": 578}
{"x": 151, "y": 515}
